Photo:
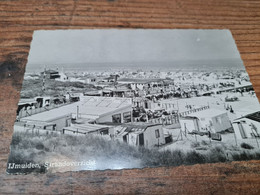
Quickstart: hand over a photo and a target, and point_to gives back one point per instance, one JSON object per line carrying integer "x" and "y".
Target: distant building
{"x": 117, "y": 91}
{"x": 153, "y": 85}
{"x": 51, "y": 74}
{"x": 54, "y": 74}
{"x": 63, "y": 77}
{"x": 111, "y": 78}
{"x": 247, "y": 126}
{"x": 91, "y": 80}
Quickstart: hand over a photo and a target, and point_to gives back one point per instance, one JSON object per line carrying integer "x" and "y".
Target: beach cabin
{"x": 24, "y": 104}
{"x": 38, "y": 127}
{"x": 141, "y": 134}
{"x": 54, "y": 116}
{"x": 93, "y": 108}
{"x": 106, "y": 109}
{"x": 190, "y": 124}
{"x": 247, "y": 126}
{"x": 42, "y": 101}
{"x": 143, "y": 84}
{"x": 120, "y": 90}
{"x": 212, "y": 120}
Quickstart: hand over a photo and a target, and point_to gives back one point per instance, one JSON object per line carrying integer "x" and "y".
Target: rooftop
{"x": 136, "y": 80}
{"x": 26, "y": 101}
{"x": 89, "y": 106}
{"x": 86, "y": 128}
{"x": 253, "y": 116}
{"x": 137, "y": 128}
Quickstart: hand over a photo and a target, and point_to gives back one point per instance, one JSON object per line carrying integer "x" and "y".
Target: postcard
{"x": 121, "y": 99}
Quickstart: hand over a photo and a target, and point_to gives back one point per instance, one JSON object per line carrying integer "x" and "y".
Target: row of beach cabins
{"x": 113, "y": 117}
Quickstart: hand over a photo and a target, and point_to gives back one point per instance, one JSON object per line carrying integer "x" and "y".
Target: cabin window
{"x": 218, "y": 120}
{"x": 157, "y": 133}
{"x": 116, "y": 118}
{"x": 127, "y": 117}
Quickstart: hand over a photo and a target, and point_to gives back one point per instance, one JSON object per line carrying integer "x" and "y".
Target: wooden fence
{"x": 185, "y": 113}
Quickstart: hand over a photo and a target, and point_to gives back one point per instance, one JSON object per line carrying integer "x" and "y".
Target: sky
{"x": 137, "y": 45}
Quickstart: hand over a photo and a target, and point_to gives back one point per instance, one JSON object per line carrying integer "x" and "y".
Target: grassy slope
{"x": 27, "y": 147}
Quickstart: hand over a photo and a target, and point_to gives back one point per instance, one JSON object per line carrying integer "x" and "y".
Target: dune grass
{"x": 35, "y": 148}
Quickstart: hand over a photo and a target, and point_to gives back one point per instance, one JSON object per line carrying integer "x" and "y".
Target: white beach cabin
{"x": 212, "y": 120}
{"x": 247, "y": 126}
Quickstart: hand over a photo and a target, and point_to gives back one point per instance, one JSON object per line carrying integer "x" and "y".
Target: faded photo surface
{"x": 123, "y": 99}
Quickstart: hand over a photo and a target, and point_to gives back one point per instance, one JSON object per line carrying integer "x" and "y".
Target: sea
{"x": 177, "y": 66}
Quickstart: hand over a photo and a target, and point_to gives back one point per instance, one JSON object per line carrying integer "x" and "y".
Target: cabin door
{"x": 124, "y": 138}
{"x": 146, "y": 104}
{"x": 40, "y": 102}
{"x": 141, "y": 139}
{"x": 242, "y": 131}
{"x": 67, "y": 122}
{"x": 197, "y": 125}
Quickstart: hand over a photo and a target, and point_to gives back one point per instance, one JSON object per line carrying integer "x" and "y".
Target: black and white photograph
{"x": 101, "y": 99}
